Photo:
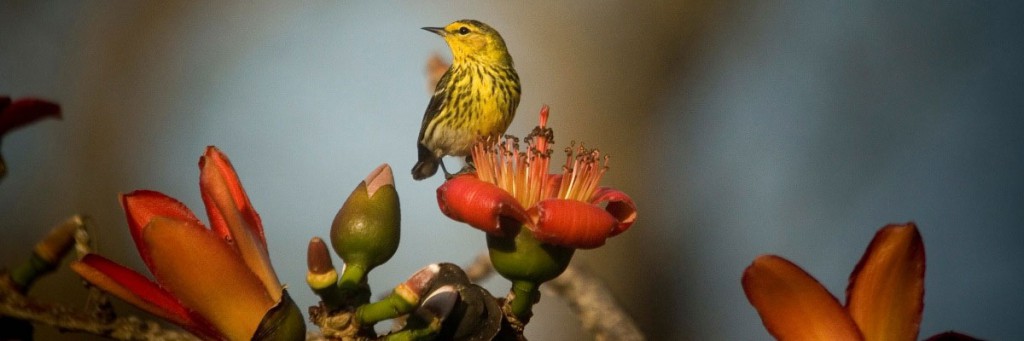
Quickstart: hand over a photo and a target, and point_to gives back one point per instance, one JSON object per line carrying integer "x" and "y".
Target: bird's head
{"x": 473, "y": 41}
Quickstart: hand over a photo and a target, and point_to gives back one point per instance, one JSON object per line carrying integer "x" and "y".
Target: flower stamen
{"x": 524, "y": 174}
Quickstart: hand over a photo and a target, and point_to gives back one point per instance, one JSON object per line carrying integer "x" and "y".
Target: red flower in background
{"x": 20, "y": 112}
{"x": 883, "y": 300}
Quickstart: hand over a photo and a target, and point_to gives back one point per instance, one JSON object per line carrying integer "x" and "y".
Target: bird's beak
{"x": 437, "y": 30}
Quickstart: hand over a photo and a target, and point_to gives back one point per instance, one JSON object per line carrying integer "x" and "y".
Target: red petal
{"x": 571, "y": 223}
{"x": 793, "y": 305}
{"x": 619, "y": 205}
{"x": 138, "y": 290}
{"x": 24, "y": 111}
{"x": 233, "y": 217}
{"x": 221, "y": 172}
{"x": 140, "y": 207}
{"x": 886, "y": 291}
{"x": 480, "y": 204}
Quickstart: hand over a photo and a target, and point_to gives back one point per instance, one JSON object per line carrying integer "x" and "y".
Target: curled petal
{"x": 206, "y": 275}
{"x": 620, "y": 206}
{"x": 571, "y": 223}
{"x": 133, "y": 288}
{"x": 140, "y": 207}
{"x": 793, "y": 305}
{"x": 234, "y": 218}
{"x": 886, "y": 291}
{"x": 221, "y": 189}
{"x": 24, "y": 111}
{"x": 478, "y": 203}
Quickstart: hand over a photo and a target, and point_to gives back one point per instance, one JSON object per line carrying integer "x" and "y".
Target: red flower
{"x": 217, "y": 283}
{"x": 560, "y": 209}
{"x": 14, "y": 114}
{"x": 22, "y": 112}
{"x": 883, "y": 300}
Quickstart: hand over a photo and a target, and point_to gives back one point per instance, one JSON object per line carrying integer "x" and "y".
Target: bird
{"x": 475, "y": 99}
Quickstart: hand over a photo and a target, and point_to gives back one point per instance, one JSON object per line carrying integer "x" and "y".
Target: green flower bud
{"x": 366, "y": 231}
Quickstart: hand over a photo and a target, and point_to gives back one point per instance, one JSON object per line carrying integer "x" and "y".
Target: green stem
{"x": 523, "y": 296}
{"x": 388, "y": 308}
{"x": 353, "y": 284}
{"x": 331, "y": 295}
{"x": 27, "y": 273}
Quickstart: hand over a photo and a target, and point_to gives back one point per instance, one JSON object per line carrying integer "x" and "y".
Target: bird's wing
{"x": 437, "y": 101}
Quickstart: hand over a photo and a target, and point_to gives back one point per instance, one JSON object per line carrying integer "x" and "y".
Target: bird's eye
{"x": 463, "y": 30}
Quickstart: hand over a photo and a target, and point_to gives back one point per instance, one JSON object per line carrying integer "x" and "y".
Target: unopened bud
{"x": 366, "y": 230}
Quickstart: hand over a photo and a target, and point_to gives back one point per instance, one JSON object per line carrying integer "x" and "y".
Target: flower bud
{"x": 46, "y": 255}
{"x": 366, "y": 230}
{"x": 321, "y": 272}
{"x": 438, "y": 305}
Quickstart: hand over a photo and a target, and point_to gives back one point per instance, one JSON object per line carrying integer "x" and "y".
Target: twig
{"x": 15, "y": 305}
{"x": 594, "y": 305}
{"x": 480, "y": 268}
{"x": 97, "y": 318}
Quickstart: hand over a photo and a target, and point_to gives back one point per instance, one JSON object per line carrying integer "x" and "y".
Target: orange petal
{"x": 571, "y": 223}
{"x": 133, "y": 288}
{"x": 793, "y": 305}
{"x": 620, "y": 205}
{"x": 142, "y": 206}
{"x": 233, "y": 217}
{"x": 478, "y": 203}
{"x": 886, "y": 292}
{"x": 206, "y": 275}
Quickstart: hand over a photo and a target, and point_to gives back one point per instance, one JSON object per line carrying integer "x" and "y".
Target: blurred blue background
{"x": 795, "y": 128}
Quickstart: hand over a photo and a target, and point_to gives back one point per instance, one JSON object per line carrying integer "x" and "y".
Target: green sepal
{"x": 520, "y": 257}
{"x": 282, "y": 322}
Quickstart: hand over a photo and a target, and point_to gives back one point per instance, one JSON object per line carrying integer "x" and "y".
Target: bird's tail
{"x": 427, "y": 165}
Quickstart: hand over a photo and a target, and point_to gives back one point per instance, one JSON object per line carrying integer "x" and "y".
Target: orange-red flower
{"x": 218, "y": 282}
{"x": 883, "y": 300}
{"x": 568, "y": 209}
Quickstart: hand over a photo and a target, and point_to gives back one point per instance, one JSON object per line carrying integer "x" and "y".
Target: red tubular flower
{"x": 567, "y": 209}
{"x": 218, "y": 283}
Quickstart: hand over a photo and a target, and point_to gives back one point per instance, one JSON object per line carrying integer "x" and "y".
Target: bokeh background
{"x": 796, "y": 128}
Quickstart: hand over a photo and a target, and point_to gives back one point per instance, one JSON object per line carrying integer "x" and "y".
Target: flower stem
{"x": 353, "y": 284}
{"x": 522, "y": 297}
{"x": 388, "y": 308}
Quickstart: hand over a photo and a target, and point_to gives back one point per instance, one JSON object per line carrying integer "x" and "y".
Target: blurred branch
{"x": 65, "y": 319}
{"x": 480, "y": 268}
{"x": 96, "y": 318}
{"x": 586, "y": 294}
